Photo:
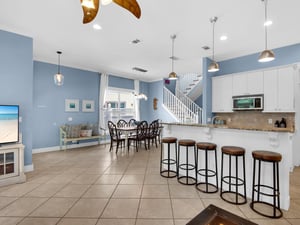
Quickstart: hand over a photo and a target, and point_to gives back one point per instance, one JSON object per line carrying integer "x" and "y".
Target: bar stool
{"x": 268, "y": 157}
{"x": 207, "y": 172}
{"x": 234, "y": 151}
{"x": 168, "y": 161}
{"x": 187, "y": 166}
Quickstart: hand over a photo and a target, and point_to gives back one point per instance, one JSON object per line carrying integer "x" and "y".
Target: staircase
{"x": 188, "y": 82}
{"x": 183, "y": 108}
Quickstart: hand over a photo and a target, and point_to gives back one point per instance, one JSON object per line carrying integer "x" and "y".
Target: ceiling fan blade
{"x": 90, "y": 13}
{"x": 131, "y": 5}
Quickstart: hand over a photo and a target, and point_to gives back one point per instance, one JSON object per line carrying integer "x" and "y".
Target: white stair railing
{"x": 189, "y": 103}
{"x": 188, "y": 81}
{"x": 179, "y": 109}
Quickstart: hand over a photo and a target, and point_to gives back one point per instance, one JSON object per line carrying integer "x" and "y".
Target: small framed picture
{"x": 72, "y": 105}
{"x": 88, "y": 106}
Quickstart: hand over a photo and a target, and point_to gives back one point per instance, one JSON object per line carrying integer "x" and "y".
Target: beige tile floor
{"x": 91, "y": 186}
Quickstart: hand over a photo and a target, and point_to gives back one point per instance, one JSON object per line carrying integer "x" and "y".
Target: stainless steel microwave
{"x": 248, "y": 102}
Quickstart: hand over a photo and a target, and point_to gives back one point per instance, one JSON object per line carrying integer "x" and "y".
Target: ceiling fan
{"x": 90, "y": 8}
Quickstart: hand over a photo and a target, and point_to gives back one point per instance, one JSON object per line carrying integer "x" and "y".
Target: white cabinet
{"x": 279, "y": 90}
{"x": 247, "y": 83}
{"x": 222, "y": 94}
{"x": 12, "y": 164}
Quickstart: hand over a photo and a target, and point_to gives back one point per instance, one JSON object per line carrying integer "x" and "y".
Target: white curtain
{"x": 137, "y": 102}
{"x": 102, "y": 93}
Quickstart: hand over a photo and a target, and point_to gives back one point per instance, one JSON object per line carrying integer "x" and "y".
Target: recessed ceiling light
{"x": 135, "y": 41}
{"x": 268, "y": 23}
{"x": 223, "y": 38}
{"x": 97, "y": 26}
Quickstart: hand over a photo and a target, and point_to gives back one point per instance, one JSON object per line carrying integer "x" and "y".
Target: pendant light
{"x": 58, "y": 78}
{"x": 266, "y": 55}
{"x": 213, "y": 66}
{"x": 172, "y": 75}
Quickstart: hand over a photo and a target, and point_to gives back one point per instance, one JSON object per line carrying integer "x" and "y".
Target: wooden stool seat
{"x": 267, "y": 156}
{"x": 186, "y": 142}
{"x": 206, "y": 146}
{"x": 169, "y": 140}
{"x": 233, "y": 150}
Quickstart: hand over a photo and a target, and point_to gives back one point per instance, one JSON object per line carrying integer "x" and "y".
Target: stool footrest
{"x": 264, "y": 193}
{"x": 212, "y": 173}
{"x": 183, "y": 166}
{"x": 168, "y": 161}
{"x": 224, "y": 179}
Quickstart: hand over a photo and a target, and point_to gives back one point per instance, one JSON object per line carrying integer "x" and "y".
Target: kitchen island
{"x": 277, "y": 140}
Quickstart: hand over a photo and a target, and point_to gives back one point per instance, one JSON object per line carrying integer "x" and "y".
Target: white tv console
{"x": 12, "y": 164}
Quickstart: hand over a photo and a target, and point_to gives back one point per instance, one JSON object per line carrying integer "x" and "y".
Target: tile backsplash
{"x": 256, "y": 120}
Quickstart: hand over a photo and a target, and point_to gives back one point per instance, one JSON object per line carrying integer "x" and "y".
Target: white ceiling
{"x": 57, "y": 25}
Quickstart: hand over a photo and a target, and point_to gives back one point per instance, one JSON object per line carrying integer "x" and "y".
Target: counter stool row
{"x": 171, "y": 166}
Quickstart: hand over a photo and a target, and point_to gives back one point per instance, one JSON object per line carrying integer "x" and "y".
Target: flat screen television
{"x": 9, "y": 123}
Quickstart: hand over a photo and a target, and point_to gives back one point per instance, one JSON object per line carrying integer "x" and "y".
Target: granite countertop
{"x": 270, "y": 129}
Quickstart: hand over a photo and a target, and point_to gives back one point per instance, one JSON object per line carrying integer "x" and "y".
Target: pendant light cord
{"x": 173, "y": 39}
{"x": 266, "y": 30}
{"x": 58, "y": 66}
{"x": 213, "y": 49}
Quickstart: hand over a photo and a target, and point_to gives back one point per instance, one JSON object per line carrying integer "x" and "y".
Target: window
{"x": 119, "y": 104}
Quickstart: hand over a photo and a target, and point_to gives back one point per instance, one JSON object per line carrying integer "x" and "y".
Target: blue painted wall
{"x": 16, "y": 80}
{"x": 49, "y": 101}
{"x": 144, "y": 105}
{"x": 120, "y": 82}
{"x": 284, "y": 56}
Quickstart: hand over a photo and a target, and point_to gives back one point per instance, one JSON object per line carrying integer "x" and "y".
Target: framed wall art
{"x": 88, "y": 106}
{"x": 72, "y": 105}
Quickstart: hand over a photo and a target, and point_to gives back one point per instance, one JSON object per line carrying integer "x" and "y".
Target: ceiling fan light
{"x": 266, "y": 56}
{"x": 88, "y": 4}
{"x": 213, "y": 67}
{"x": 59, "y": 79}
{"x": 172, "y": 76}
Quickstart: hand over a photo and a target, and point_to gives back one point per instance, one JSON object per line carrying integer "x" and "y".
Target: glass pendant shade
{"x": 266, "y": 56}
{"x": 213, "y": 67}
{"x": 106, "y": 2}
{"x": 172, "y": 76}
{"x": 58, "y": 78}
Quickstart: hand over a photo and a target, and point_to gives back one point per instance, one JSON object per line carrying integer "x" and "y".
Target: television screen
{"x": 9, "y": 123}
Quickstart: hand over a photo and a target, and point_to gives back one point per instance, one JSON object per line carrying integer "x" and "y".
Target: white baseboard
{"x": 69, "y": 146}
{"x": 28, "y": 168}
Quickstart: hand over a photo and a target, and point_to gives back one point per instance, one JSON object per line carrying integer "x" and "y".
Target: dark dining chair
{"x": 115, "y": 136}
{"x": 153, "y": 132}
{"x": 122, "y": 123}
{"x": 132, "y": 122}
{"x": 139, "y": 136}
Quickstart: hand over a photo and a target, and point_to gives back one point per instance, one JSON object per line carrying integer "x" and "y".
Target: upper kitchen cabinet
{"x": 279, "y": 90}
{"x": 247, "y": 83}
{"x": 222, "y": 94}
